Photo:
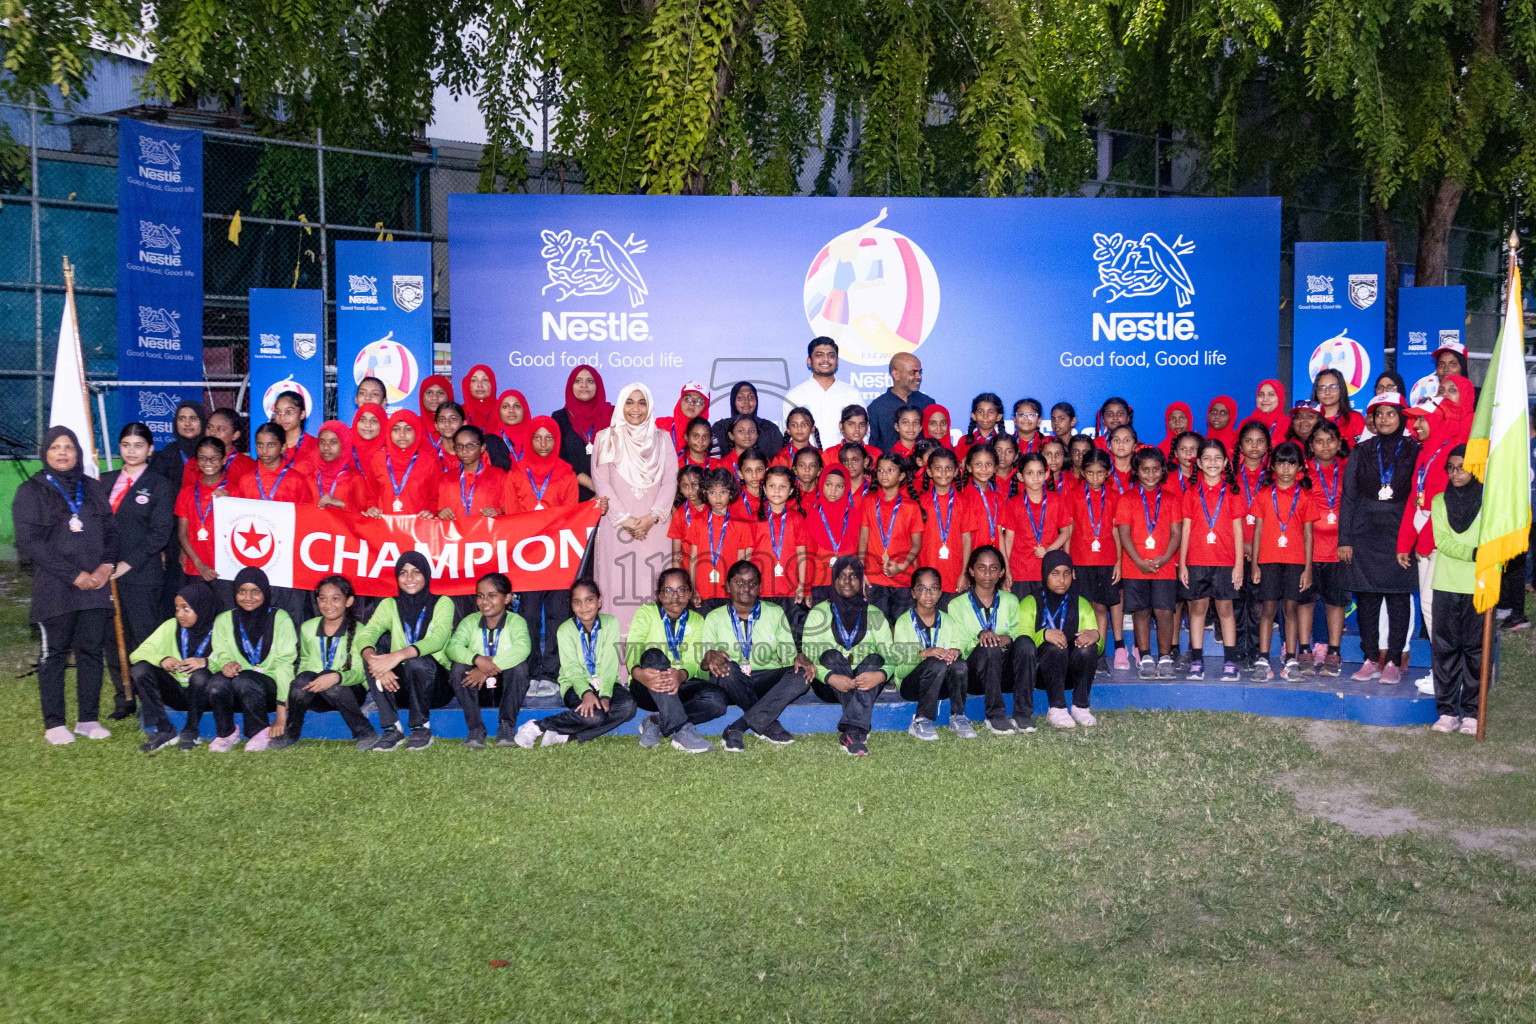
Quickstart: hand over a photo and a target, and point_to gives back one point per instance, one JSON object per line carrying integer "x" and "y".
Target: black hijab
{"x": 254, "y": 627}
{"x": 756, "y": 401}
{"x": 1052, "y": 561}
{"x": 410, "y": 606}
{"x": 188, "y": 445}
{"x": 1462, "y": 503}
{"x": 1397, "y": 382}
{"x": 199, "y": 596}
{"x": 852, "y": 611}
{"x": 67, "y": 478}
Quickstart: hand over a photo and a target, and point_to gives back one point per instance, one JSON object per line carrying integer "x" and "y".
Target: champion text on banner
{"x": 299, "y": 545}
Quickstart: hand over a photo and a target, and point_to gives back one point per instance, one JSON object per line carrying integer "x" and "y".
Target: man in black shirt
{"x": 906, "y": 375}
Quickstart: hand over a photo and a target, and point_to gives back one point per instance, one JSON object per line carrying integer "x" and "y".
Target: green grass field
{"x": 1160, "y": 867}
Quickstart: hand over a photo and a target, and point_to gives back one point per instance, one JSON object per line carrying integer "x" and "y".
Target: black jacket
{"x": 573, "y": 451}
{"x": 145, "y": 520}
{"x": 54, "y": 553}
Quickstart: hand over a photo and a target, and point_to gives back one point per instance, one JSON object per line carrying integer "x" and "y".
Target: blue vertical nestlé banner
{"x": 1341, "y": 315}
{"x": 383, "y": 320}
{"x": 1056, "y": 299}
{"x": 287, "y": 351}
{"x": 159, "y": 269}
{"x": 1426, "y": 319}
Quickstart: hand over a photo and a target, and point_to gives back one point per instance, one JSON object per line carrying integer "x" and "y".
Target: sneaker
{"x": 962, "y": 727}
{"x": 1122, "y": 658}
{"x": 259, "y": 742}
{"x": 1332, "y": 667}
{"x": 92, "y": 731}
{"x": 1147, "y": 668}
{"x": 688, "y": 740}
{"x": 1261, "y": 671}
{"x": 1425, "y": 685}
{"x": 59, "y": 735}
{"x": 1469, "y": 726}
{"x": 1082, "y": 716}
{"x": 188, "y": 740}
{"x": 1229, "y": 673}
{"x": 1391, "y": 674}
{"x": 389, "y": 739}
{"x": 527, "y": 735}
{"x": 1103, "y": 667}
{"x": 1306, "y": 662}
{"x": 282, "y": 742}
{"x": 1319, "y": 652}
{"x": 1165, "y": 667}
{"x": 367, "y": 742}
{"x": 224, "y": 744}
{"x": 650, "y": 731}
{"x": 1513, "y": 623}
{"x": 1291, "y": 670}
{"x": 1001, "y": 725}
{"x": 1447, "y": 723}
{"x": 734, "y": 739}
{"x": 475, "y": 740}
{"x": 854, "y": 745}
{"x": 1060, "y": 718}
{"x": 544, "y": 688}
{"x": 922, "y": 729}
{"x": 1366, "y": 672}
{"x": 776, "y": 734}
{"x": 1181, "y": 662}
{"x": 123, "y": 711}
{"x": 369, "y": 707}
{"x": 420, "y": 739}
{"x": 157, "y": 741}
{"x": 1196, "y": 669}
{"x": 1024, "y": 723}
{"x": 553, "y": 739}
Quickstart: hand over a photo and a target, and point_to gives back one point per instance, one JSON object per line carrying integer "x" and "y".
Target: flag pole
{"x": 90, "y": 439}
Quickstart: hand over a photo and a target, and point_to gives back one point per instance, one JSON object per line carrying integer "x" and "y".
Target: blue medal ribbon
{"x": 845, "y": 636}
{"x": 837, "y": 541}
{"x": 1387, "y": 470}
{"x": 202, "y": 648}
{"x": 776, "y": 540}
{"x": 469, "y": 497}
{"x": 329, "y": 645}
{"x": 717, "y": 546}
{"x": 675, "y": 635}
{"x": 1330, "y": 494}
{"x": 885, "y": 533}
{"x": 1212, "y": 517}
{"x": 986, "y": 508}
{"x": 928, "y": 637}
{"x": 197, "y": 500}
{"x": 262, "y": 491}
{"x": 411, "y": 636}
{"x": 1094, "y": 521}
{"x": 946, "y": 517}
{"x": 78, "y": 501}
{"x": 1039, "y": 527}
{"x": 1274, "y": 497}
{"x": 400, "y": 485}
{"x": 1418, "y": 483}
{"x": 987, "y": 617}
{"x": 1150, "y": 513}
{"x": 490, "y": 639}
{"x": 335, "y": 482}
{"x": 1248, "y": 489}
{"x": 539, "y": 489}
{"x": 743, "y": 628}
{"x": 253, "y": 653}
{"x": 589, "y": 645}
{"x": 1058, "y": 620}
{"x": 746, "y": 503}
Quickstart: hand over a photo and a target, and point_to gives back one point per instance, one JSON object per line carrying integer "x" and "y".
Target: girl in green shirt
{"x": 418, "y": 624}
{"x": 1055, "y": 651}
{"x": 849, "y": 643}
{"x": 662, "y": 654}
{"x": 987, "y": 619}
{"x": 596, "y": 701}
{"x": 1456, "y": 639}
{"x": 489, "y": 653}
{"x": 330, "y": 668}
{"x": 253, "y": 653}
{"x": 171, "y": 668}
{"x": 925, "y": 645}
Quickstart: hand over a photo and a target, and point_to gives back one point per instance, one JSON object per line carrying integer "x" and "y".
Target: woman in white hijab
{"x": 635, "y": 468}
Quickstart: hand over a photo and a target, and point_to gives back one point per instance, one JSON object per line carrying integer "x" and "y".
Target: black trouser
{"x": 156, "y": 689}
{"x": 425, "y": 686}
{"x": 988, "y": 667}
{"x": 510, "y": 691}
{"x": 346, "y": 699}
{"x": 621, "y": 708}
{"x": 893, "y": 602}
{"x": 1245, "y": 612}
{"x": 1456, "y": 650}
{"x": 1512, "y": 585}
{"x": 256, "y": 694}
{"x": 858, "y": 705}
{"x": 931, "y": 680}
{"x": 140, "y": 607}
{"x": 82, "y": 632}
{"x": 762, "y": 694}
{"x": 1055, "y": 670}
{"x": 696, "y": 700}
{"x": 548, "y": 608}
{"x": 1368, "y": 618}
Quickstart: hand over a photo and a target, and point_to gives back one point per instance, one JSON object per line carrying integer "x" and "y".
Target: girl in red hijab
{"x": 1177, "y": 419}
{"x": 434, "y": 391}
{"x": 936, "y": 424}
{"x": 1221, "y": 422}
{"x": 541, "y": 479}
{"x": 692, "y": 402}
{"x": 338, "y": 481}
{"x": 1269, "y": 408}
{"x": 364, "y": 449}
{"x": 832, "y": 523}
{"x": 480, "y": 405}
{"x": 404, "y": 472}
{"x": 507, "y": 442}
{"x": 586, "y": 411}
{"x": 1458, "y": 406}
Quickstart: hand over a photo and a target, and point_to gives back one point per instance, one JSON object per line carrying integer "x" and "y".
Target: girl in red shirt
{"x": 1095, "y": 550}
{"x": 473, "y": 488}
{"x": 479, "y": 397}
{"x": 697, "y": 441}
{"x": 435, "y": 390}
{"x": 445, "y": 425}
{"x": 1115, "y": 412}
{"x": 1027, "y": 414}
{"x": 800, "y": 434}
{"x": 1150, "y": 527}
{"x": 289, "y": 413}
{"x": 404, "y": 477}
{"x": 780, "y": 548}
{"x": 751, "y": 467}
{"x": 1006, "y": 480}
{"x": 1122, "y": 445}
{"x": 832, "y": 528}
{"x": 807, "y": 467}
{"x": 507, "y": 442}
{"x": 686, "y": 507}
{"x": 1033, "y": 524}
{"x": 338, "y": 483}
{"x": 855, "y": 460}
{"x": 543, "y": 479}
{"x": 1057, "y": 479}
{"x": 1283, "y": 541}
{"x": 1252, "y": 453}
{"x": 1328, "y": 452}
{"x": 1078, "y": 448}
{"x": 275, "y": 477}
{"x": 1211, "y": 555}
{"x": 1177, "y": 419}
{"x": 853, "y": 424}
{"x": 367, "y": 436}
{"x": 986, "y": 423}
{"x": 909, "y": 429}
{"x": 947, "y": 538}
{"x": 1184, "y": 473}
{"x": 716, "y": 541}
{"x": 983, "y": 503}
{"x": 194, "y": 510}
{"x": 891, "y": 536}
{"x": 743, "y": 436}
{"x": 936, "y": 424}
{"x": 1220, "y": 417}
{"x": 228, "y": 426}
{"x": 1331, "y": 393}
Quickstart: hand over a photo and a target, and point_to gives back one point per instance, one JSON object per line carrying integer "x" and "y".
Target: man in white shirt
{"x": 824, "y": 395}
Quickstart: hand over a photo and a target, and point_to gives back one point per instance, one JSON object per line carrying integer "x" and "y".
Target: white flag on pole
{"x": 69, "y": 408}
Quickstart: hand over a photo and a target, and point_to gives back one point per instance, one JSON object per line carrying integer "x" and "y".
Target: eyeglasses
{"x": 676, "y": 592}
{"x": 927, "y": 590}
{"x": 471, "y": 446}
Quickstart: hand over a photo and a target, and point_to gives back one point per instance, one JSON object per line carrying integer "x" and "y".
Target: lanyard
{"x": 1149, "y": 516}
{"x": 845, "y": 636}
{"x": 986, "y": 507}
{"x": 1057, "y": 621}
{"x": 1248, "y": 488}
{"x": 928, "y": 636}
{"x": 1114, "y": 474}
{"x": 687, "y": 513}
{"x": 743, "y": 628}
{"x": 589, "y": 645}
{"x": 1274, "y": 497}
{"x": 197, "y": 499}
{"x": 885, "y": 534}
{"x": 746, "y": 503}
{"x": 946, "y": 517}
{"x": 329, "y": 645}
{"x": 400, "y": 486}
{"x": 987, "y": 617}
{"x": 837, "y": 542}
{"x": 539, "y": 489}
{"x": 1211, "y": 517}
{"x": 261, "y": 491}
{"x": 716, "y": 547}
{"x": 777, "y": 540}
{"x": 1330, "y": 494}
{"x": 1094, "y": 521}
{"x": 412, "y": 635}
{"x": 468, "y": 498}
{"x": 1384, "y": 469}
{"x": 320, "y": 483}
{"x": 675, "y": 636}
{"x": 1039, "y": 527}
{"x": 202, "y": 647}
{"x": 1418, "y": 483}
{"x": 75, "y": 504}
{"x": 252, "y": 652}
{"x": 490, "y": 639}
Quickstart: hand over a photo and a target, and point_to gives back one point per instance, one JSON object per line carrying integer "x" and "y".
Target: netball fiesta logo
{"x": 269, "y": 397}
{"x": 592, "y": 266}
{"x": 1424, "y": 389}
{"x": 1362, "y": 290}
{"x": 1346, "y": 355}
{"x": 409, "y": 291}
{"x": 391, "y": 362}
{"x": 873, "y": 291}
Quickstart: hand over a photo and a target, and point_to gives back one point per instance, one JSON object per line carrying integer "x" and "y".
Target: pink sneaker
{"x": 259, "y": 741}
{"x": 59, "y": 735}
{"x": 224, "y": 744}
{"x": 92, "y": 731}
{"x": 1122, "y": 658}
{"x": 1366, "y": 672}
{"x": 1469, "y": 727}
{"x": 1391, "y": 674}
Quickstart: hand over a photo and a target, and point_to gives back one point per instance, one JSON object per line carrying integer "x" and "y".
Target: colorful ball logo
{"x": 1423, "y": 389}
{"x": 1347, "y": 356}
{"x": 391, "y": 362}
{"x": 286, "y": 384}
{"x": 874, "y": 292}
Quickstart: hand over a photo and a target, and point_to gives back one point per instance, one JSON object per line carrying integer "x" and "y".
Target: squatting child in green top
{"x": 488, "y": 658}
{"x": 596, "y": 700}
{"x": 171, "y": 668}
{"x": 253, "y": 652}
{"x": 987, "y": 619}
{"x": 331, "y": 674}
{"x": 1059, "y": 654}
{"x": 662, "y": 656}
{"x": 849, "y": 643}
{"x": 925, "y": 644}
{"x": 418, "y": 624}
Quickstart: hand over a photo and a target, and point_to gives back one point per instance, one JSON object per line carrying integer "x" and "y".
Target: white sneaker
{"x": 527, "y": 735}
{"x": 59, "y": 735}
{"x": 1059, "y": 718}
{"x": 92, "y": 730}
{"x": 1445, "y": 723}
{"x": 1469, "y": 727}
{"x": 1082, "y": 716}
{"x": 552, "y": 738}
{"x": 1425, "y": 684}
{"x": 224, "y": 744}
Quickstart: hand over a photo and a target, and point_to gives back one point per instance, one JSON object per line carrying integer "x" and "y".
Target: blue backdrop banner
{"x": 1341, "y": 315}
{"x": 1426, "y": 319}
{"x": 1060, "y": 299}
{"x": 383, "y": 320}
{"x": 159, "y": 269}
{"x": 287, "y": 354}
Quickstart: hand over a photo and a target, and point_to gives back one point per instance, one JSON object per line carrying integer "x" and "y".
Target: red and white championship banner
{"x": 299, "y": 545}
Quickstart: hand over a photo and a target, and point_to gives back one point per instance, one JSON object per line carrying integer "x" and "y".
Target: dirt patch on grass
{"x": 1327, "y": 737}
